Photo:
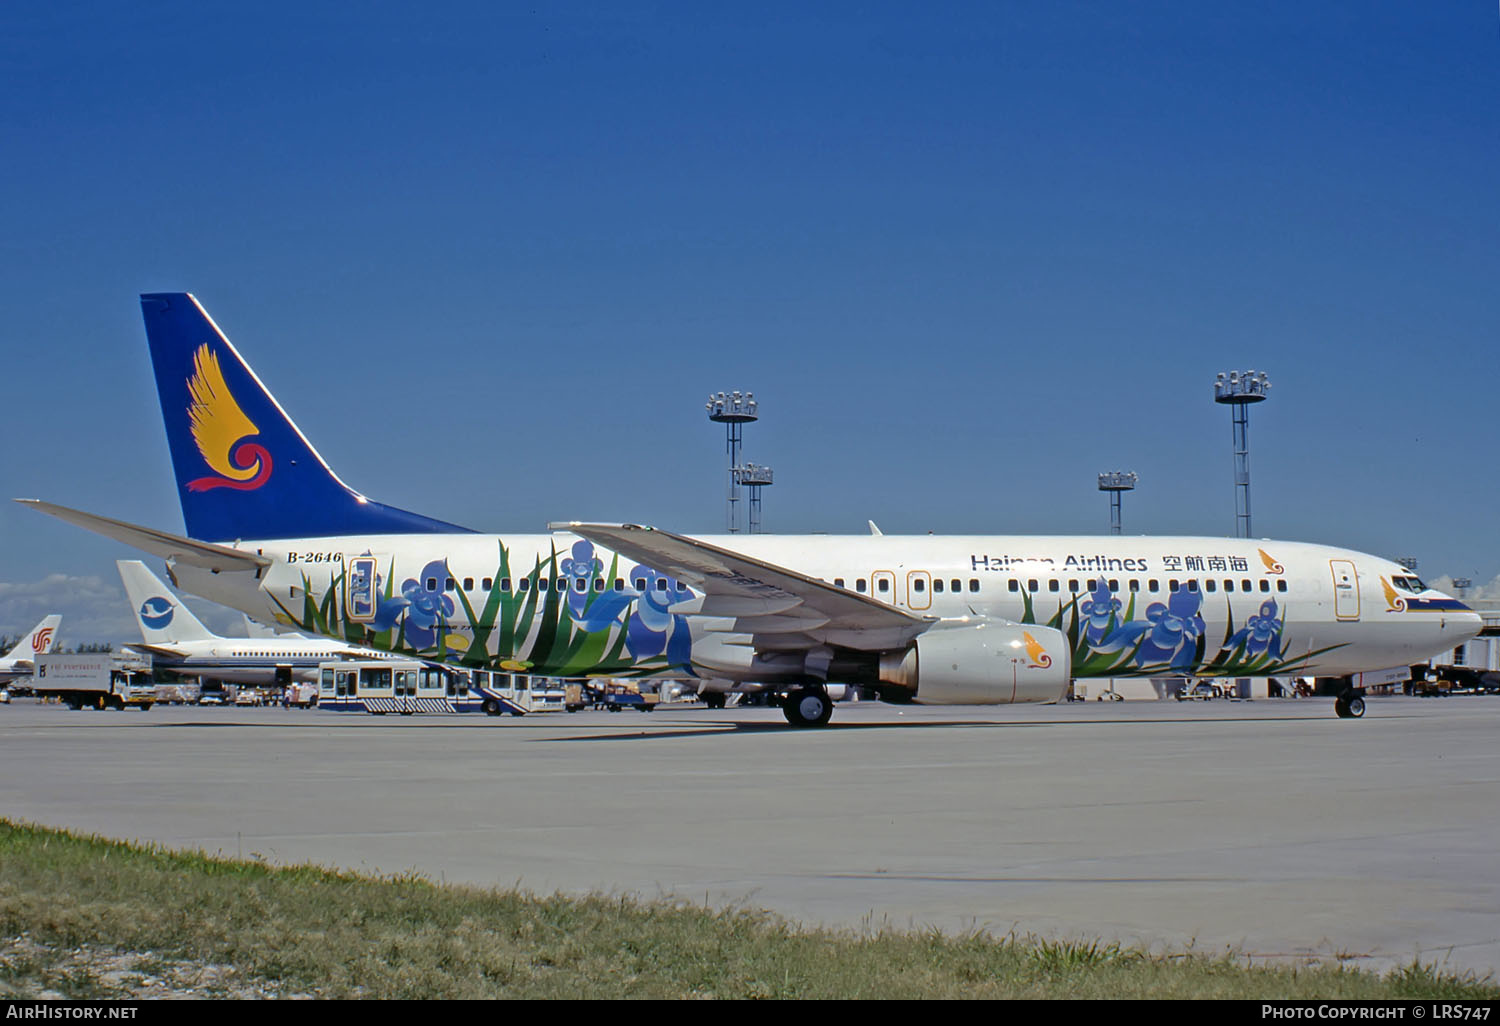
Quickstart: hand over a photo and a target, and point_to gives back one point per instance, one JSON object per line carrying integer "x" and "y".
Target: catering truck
{"x": 104, "y": 680}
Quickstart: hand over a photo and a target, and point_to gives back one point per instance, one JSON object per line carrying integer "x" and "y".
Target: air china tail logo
{"x": 1034, "y": 650}
{"x": 41, "y": 640}
{"x": 218, "y": 424}
{"x": 156, "y": 612}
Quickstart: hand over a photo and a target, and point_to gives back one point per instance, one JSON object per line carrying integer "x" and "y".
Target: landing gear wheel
{"x": 713, "y": 699}
{"x": 1350, "y": 705}
{"x": 807, "y": 707}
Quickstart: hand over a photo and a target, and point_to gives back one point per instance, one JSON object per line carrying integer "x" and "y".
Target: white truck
{"x": 95, "y": 681}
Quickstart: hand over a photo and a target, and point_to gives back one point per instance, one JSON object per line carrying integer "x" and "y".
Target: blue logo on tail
{"x": 156, "y": 612}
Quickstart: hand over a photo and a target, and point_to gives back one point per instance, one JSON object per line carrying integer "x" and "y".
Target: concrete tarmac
{"x": 1269, "y": 829}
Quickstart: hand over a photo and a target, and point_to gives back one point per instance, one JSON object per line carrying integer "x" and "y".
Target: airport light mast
{"x": 1115, "y": 482}
{"x": 733, "y": 410}
{"x": 1410, "y": 562}
{"x": 1238, "y": 390}
{"x": 755, "y": 477}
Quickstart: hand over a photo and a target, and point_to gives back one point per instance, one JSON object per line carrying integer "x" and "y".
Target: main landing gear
{"x": 807, "y": 706}
{"x": 1350, "y": 705}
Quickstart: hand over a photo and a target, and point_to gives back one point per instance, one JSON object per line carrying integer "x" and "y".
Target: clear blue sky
{"x": 967, "y": 256}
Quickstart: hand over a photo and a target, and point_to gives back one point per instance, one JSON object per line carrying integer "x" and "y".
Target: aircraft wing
{"x": 781, "y": 608}
{"x": 158, "y": 543}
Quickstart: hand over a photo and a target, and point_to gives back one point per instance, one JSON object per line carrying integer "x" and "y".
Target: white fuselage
{"x": 1129, "y": 606}
{"x": 256, "y": 661}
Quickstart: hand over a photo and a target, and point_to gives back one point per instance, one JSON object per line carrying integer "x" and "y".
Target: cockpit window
{"x": 1411, "y": 584}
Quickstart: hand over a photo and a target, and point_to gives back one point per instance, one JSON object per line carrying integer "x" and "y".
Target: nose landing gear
{"x": 1350, "y": 705}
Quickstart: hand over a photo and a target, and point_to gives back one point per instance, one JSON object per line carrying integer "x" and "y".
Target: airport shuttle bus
{"x": 517, "y": 693}
{"x": 401, "y": 686}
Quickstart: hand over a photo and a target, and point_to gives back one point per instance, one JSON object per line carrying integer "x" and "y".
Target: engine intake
{"x": 978, "y": 661}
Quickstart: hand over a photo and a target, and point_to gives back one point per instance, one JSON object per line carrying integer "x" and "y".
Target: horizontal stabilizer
{"x": 158, "y": 543}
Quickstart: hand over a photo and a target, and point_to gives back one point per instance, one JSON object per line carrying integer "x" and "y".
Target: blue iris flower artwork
{"x": 426, "y": 611}
{"x": 1169, "y": 634}
{"x": 1099, "y": 611}
{"x": 1261, "y": 634}
{"x": 650, "y": 630}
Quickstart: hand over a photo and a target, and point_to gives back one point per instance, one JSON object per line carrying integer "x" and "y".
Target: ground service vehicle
{"x": 398, "y": 686}
{"x": 96, "y": 681}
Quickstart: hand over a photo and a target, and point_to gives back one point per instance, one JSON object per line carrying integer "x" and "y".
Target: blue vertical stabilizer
{"x": 243, "y": 468}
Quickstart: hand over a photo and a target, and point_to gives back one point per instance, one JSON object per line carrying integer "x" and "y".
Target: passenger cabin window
{"x": 918, "y": 585}
{"x": 1015, "y": 585}
{"x": 451, "y": 584}
{"x": 619, "y": 584}
{"x": 1053, "y": 585}
{"x": 1265, "y": 585}
{"x": 1135, "y": 585}
{"x": 1152, "y": 585}
{"x": 468, "y": 584}
{"x": 1031, "y": 585}
{"x": 1192, "y": 585}
{"x": 973, "y": 584}
{"x": 487, "y": 584}
{"x": 1073, "y": 585}
{"x": 859, "y": 585}
{"x": 524, "y": 584}
{"x": 1210, "y": 585}
{"x": 1172, "y": 585}
{"x": 598, "y": 584}
{"x": 955, "y": 585}
{"x": 884, "y": 585}
{"x": 661, "y": 584}
{"x": 1281, "y": 586}
{"x": 937, "y": 585}
{"x": 1114, "y": 585}
{"x": 1245, "y": 585}
{"x": 432, "y": 584}
{"x": 838, "y": 582}
{"x": 640, "y": 584}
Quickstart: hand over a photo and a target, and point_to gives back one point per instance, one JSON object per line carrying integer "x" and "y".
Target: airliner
{"x": 178, "y": 641}
{"x": 38, "y": 641}
{"x": 272, "y": 531}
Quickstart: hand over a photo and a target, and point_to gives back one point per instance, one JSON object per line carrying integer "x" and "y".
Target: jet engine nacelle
{"x": 979, "y": 661}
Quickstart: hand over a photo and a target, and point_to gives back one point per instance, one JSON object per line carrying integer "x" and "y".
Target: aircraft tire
{"x": 1355, "y": 705}
{"x": 807, "y": 707}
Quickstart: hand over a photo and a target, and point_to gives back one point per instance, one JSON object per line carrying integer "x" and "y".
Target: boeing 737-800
{"x": 272, "y": 531}
{"x": 178, "y": 641}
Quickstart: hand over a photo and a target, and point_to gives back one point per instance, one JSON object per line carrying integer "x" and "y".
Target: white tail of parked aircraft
{"x": 40, "y": 640}
{"x": 272, "y": 531}
{"x": 178, "y": 641}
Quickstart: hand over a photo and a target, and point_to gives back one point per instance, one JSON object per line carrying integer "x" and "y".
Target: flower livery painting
{"x": 568, "y": 616}
{"x": 1169, "y": 638}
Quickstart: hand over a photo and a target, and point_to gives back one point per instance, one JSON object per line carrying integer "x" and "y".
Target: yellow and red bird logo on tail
{"x": 218, "y": 423}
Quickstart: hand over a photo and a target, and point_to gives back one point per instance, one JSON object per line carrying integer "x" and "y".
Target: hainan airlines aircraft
{"x": 39, "y": 641}
{"x": 177, "y": 640}
{"x": 272, "y": 531}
